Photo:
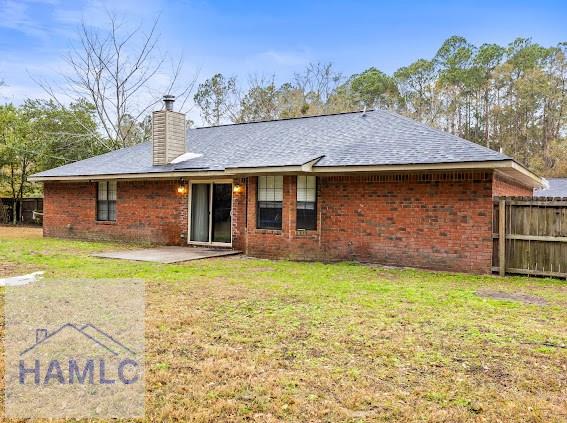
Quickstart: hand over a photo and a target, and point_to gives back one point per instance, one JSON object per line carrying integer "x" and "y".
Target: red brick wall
{"x": 436, "y": 220}
{"x": 146, "y": 211}
{"x": 502, "y": 186}
{"x": 287, "y": 243}
{"x": 430, "y": 220}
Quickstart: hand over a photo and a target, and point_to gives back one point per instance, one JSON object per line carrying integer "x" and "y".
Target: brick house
{"x": 369, "y": 186}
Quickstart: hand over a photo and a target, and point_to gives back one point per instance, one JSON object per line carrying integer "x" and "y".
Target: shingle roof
{"x": 349, "y": 139}
{"x": 557, "y": 188}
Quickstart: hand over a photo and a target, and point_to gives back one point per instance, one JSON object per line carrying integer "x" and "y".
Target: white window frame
{"x": 298, "y": 200}
{"x": 268, "y": 187}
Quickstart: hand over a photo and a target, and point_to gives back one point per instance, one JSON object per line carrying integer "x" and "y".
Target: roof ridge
{"x": 284, "y": 119}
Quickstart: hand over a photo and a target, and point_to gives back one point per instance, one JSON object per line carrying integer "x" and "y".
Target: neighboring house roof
{"x": 557, "y": 188}
{"x": 374, "y": 138}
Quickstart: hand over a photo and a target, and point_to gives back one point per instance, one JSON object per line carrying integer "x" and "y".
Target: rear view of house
{"x": 369, "y": 186}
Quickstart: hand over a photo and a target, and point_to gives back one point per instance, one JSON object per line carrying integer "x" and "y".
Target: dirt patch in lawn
{"x": 512, "y": 296}
{"x": 16, "y": 232}
{"x": 8, "y": 269}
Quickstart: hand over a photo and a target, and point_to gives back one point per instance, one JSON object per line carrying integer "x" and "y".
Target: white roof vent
{"x": 186, "y": 156}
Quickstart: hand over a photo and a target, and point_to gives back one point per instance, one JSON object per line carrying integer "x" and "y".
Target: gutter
{"x": 128, "y": 176}
{"x": 505, "y": 166}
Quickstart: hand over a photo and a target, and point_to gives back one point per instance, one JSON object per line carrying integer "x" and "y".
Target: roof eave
{"x": 130, "y": 176}
{"x": 529, "y": 176}
{"x": 508, "y": 167}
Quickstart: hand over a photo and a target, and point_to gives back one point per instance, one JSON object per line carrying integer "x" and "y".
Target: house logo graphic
{"x": 77, "y": 354}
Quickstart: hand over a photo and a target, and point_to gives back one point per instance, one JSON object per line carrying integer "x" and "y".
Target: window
{"x": 269, "y": 202}
{"x": 306, "y": 202}
{"x": 106, "y": 201}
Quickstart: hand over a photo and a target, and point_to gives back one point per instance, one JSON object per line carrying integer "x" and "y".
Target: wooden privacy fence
{"x": 530, "y": 236}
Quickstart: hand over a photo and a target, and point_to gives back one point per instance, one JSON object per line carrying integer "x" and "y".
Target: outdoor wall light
{"x": 237, "y": 188}
{"x": 181, "y": 188}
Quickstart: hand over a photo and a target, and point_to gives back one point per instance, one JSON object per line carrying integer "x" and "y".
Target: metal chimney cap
{"x": 168, "y": 100}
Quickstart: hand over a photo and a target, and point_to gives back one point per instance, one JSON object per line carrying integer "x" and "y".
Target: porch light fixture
{"x": 237, "y": 188}
{"x": 181, "y": 188}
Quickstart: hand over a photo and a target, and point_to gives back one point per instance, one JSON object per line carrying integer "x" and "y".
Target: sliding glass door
{"x": 211, "y": 205}
{"x": 200, "y": 212}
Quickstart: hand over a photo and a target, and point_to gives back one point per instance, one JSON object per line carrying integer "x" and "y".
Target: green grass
{"x": 237, "y": 339}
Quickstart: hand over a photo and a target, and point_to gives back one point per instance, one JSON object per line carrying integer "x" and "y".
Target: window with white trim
{"x": 306, "y": 202}
{"x": 269, "y": 202}
{"x": 106, "y": 201}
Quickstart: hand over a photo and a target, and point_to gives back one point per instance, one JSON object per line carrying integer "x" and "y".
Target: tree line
{"x": 511, "y": 98}
{"x": 38, "y": 135}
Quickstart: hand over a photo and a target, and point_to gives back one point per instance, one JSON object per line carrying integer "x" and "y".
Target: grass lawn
{"x": 235, "y": 339}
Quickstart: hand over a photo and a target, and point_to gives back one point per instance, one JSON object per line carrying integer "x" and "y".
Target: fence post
{"x": 502, "y": 236}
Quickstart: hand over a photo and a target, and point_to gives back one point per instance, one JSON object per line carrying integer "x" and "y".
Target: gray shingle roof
{"x": 348, "y": 139}
{"x": 557, "y": 188}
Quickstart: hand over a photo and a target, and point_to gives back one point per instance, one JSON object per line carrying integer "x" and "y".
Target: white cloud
{"x": 95, "y": 12}
{"x": 16, "y": 15}
{"x": 21, "y": 15}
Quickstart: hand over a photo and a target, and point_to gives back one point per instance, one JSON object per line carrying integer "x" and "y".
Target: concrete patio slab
{"x": 167, "y": 255}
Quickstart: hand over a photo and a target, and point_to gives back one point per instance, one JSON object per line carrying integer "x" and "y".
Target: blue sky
{"x": 269, "y": 37}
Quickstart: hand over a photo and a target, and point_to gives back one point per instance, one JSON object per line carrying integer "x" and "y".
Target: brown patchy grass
{"x": 19, "y": 232}
{"x": 257, "y": 340}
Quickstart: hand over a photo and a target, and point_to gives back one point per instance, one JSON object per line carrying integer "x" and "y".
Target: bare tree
{"x": 117, "y": 71}
{"x": 318, "y": 82}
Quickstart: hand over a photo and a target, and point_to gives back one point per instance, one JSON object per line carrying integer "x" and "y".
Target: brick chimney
{"x": 168, "y": 133}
